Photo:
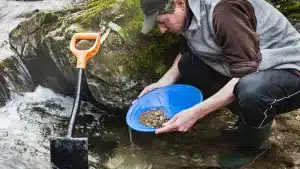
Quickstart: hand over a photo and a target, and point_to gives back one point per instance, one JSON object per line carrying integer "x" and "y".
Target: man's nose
{"x": 162, "y": 28}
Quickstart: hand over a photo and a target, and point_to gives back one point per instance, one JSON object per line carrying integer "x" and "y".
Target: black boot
{"x": 253, "y": 142}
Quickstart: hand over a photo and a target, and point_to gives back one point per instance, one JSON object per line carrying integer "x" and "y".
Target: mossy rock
{"x": 127, "y": 59}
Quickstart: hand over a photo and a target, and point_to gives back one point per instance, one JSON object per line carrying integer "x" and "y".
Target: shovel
{"x": 68, "y": 152}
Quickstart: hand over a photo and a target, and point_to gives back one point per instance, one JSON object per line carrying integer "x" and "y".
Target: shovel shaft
{"x": 77, "y": 101}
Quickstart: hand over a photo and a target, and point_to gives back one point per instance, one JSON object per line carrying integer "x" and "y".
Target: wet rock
{"x": 4, "y": 94}
{"x": 15, "y": 74}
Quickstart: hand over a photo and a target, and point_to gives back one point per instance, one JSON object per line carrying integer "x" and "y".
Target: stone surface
{"x": 126, "y": 62}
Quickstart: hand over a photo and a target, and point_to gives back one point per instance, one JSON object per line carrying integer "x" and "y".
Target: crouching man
{"x": 240, "y": 53}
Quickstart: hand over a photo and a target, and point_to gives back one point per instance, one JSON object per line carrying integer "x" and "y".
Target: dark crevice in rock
{"x": 4, "y": 92}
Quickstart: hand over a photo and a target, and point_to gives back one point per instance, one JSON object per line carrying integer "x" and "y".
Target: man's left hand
{"x": 182, "y": 122}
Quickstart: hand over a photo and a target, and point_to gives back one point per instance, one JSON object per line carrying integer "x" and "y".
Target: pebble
{"x": 195, "y": 155}
{"x": 297, "y": 118}
{"x": 93, "y": 159}
{"x": 297, "y": 162}
{"x": 197, "y": 160}
{"x": 172, "y": 153}
{"x": 183, "y": 157}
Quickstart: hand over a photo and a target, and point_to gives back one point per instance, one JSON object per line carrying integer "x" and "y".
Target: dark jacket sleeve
{"x": 234, "y": 24}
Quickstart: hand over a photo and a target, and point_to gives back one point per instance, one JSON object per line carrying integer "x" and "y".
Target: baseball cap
{"x": 151, "y": 9}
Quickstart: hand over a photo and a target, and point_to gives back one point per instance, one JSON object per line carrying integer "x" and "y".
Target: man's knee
{"x": 252, "y": 99}
{"x": 249, "y": 89}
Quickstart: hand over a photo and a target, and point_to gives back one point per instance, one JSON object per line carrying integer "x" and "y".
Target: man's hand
{"x": 150, "y": 88}
{"x": 170, "y": 77}
{"x": 182, "y": 122}
{"x": 185, "y": 119}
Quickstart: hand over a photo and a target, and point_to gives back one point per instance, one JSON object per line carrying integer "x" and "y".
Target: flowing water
{"x": 130, "y": 135}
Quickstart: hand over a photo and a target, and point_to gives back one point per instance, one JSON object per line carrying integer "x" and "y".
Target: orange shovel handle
{"x": 84, "y": 55}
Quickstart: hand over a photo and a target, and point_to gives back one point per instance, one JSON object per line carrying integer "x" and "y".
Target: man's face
{"x": 173, "y": 22}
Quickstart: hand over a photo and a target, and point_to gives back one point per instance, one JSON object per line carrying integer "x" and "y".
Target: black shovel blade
{"x": 69, "y": 153}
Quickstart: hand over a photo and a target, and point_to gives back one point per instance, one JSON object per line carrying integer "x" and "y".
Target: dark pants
{"x": 260, "y": 95}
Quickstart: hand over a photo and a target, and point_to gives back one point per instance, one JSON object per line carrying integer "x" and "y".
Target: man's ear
{"x": 180, "y": 4}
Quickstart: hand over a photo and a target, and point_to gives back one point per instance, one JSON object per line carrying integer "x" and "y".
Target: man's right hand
{"x": 150, "y": 88}
{"x": 170, "y": 77}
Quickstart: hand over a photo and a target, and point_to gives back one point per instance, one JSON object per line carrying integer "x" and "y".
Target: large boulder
{"x": 126, "y": 62}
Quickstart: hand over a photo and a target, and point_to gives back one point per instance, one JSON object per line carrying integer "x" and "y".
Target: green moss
{"x": 295, "y": 16}
{"x": 17, "y": 32}
{"x": 11, "y": 65}
{"x": 49, "y": 17}
{"x": 146, "y": 55}
{"x": 92, "y": 15}
{"x": 289, "y": 8}
{"x": 8, "y": 63}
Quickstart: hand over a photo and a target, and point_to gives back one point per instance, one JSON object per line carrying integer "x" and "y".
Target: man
{"x": 241, "y": 53}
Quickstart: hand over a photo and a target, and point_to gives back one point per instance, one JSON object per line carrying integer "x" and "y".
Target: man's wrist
{"x": 199, "y": 111}
{"x": 164, "y": 82}
{"x": 168, "y": 80}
